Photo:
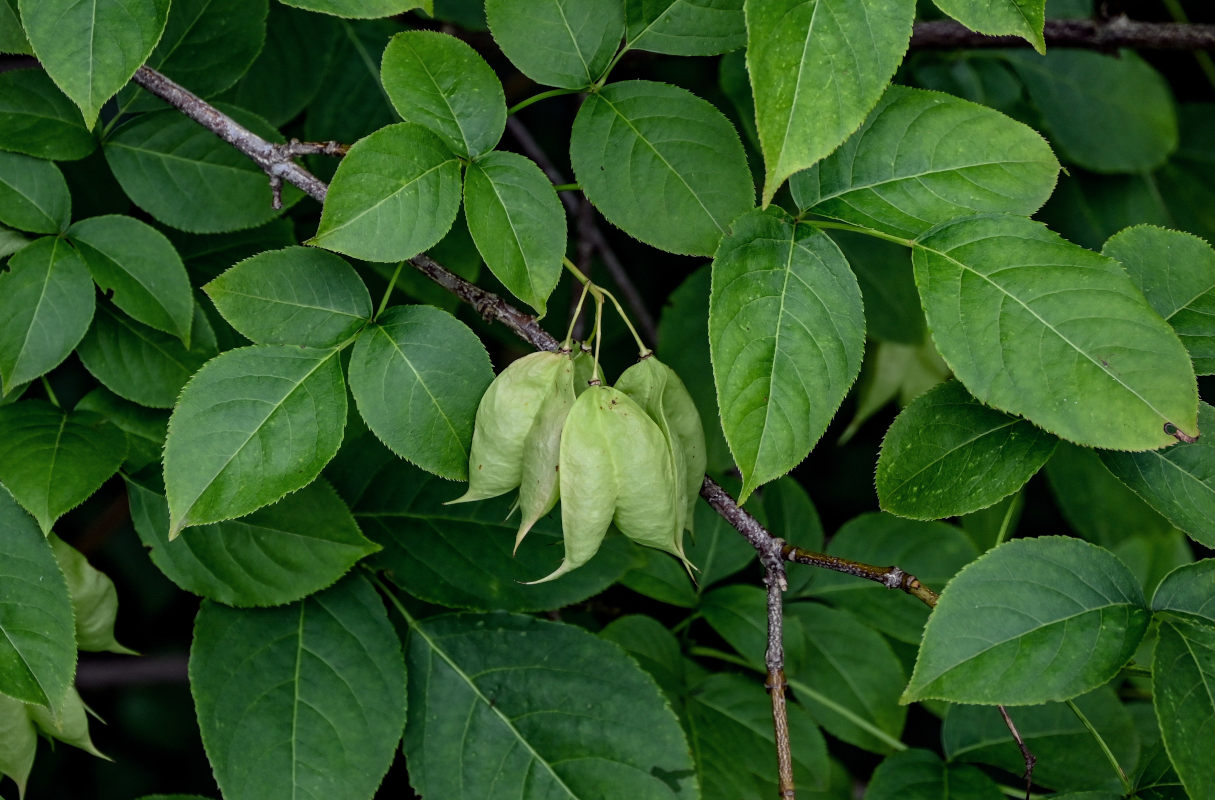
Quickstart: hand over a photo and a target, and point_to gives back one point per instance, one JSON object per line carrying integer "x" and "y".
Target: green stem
{"x": 567, "y": 187}
{"x": 50, "y": 393}
{"x": 599, "y": 292}
{"x": 569, "y": 332}
{"x": 1004, "y": 523}
{"x": 1205, "y": 63}
{"x": 598, "y": 333}
{"x": 1105, "y": 748}
{"x": 392, "y": 282}
{"x": 822, "y": 224}
{"x": 536, "y": 98}
{"x": 392, "y": 598}
{"x": 1017, "y": 792}
{"x": 720, "y": 655}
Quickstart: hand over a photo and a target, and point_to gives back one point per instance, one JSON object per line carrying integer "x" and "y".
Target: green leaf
{"x": 1024, "y": 18}
{"x": 46, "y": 302}
{"x": 720, "y": 551}
{"x": 1068, "y": 755}
{"x": 208, "y": 44}
{"x": 685, "y": 27}
{"x": 511, "y": 706}
{"x": 394, "y": 195}
{"x": 653, "y": 646}
{"x": 399, "y": 500}
{"x": 850, "y": 678}
{"x": 252, "y": 425}
{"x": 301, "y": 701}
{"x": 92, "y": 48}
{"x": 66, "y": 720}
{"x": 12, "y": 36}
{"x": 190, "y": 179}
{"x": 145, "y": 428}
{"x": 51, "y": 461}
{"x": 566, "y": 43}
{"x": 33, "y": 194}
{"x": 662, "y": 164}
{"x": 1183, "y": 689}
{"x": 659, "y": 577}
{"x": 139, "y": 266}
{"x": 297, "y": 295}
{"x": 1097, "y": 505}
{"x": 1081, "y": 91}
{"x": 1186, "y": 179}
{"x": 787, "y": 333}
{"x": 729, "y": 720}
{"x": 1178, "y": 481}
{"x": 518, "y": 224}
{"x": 361, "y": 9}
{"x": 1045, "y": 619}
{"x": 20, "y": 740}
{"x": 142, "y": 364}
{"x": 1153, "y": 555}
{"x": 417, "y": 375}
{"x": 285, "y": 78}
{"x": 208, "y": 255}
{"x": 907, "y": 169}
{"x": 790, "y": 514}
{"x": 94, "y": 599}
{"x": 948, "y": 455}
{"x": 39, "y": 120}
{"x": 1036, "y": 326}
{"x": 921, "y": 775}
{"x": 738, "y": 614}
{"x": 1189, "y": 590}
{"x": 817, "y": 69}
{"x": 883, "y": 271}
{"x": 932, "y": 551}
{"x": 38, "y": 641}
{"x": 277, "y": 554}
{"x": 441, "y": 83}
{"x": 1176, "y": 272}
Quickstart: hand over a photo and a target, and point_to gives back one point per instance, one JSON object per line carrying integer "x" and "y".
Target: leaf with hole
{"x": 1046, "y": 619}
{"x": 92, "y": 48}
{"x": 566, "y": 43}
{"x": 37, "y": 634}
{"x": 51, "y": 461}
{"x": 278, "y": 554}
{"x": 297, "y": 295}
{"x": 907, "y": 168}
{"x": 39, "y": 120}
{"x": 517, "y": 223}
{"x": 441, "y": 83}
{"x": 786, "y": 333}
{"x": 306, "y": 700}
{"x": 817, "y": 69}
{"x": 394, "y": 195}
{"x": 141, "y": 268}
{"x": 662, "y": 164}
{"x": 153, "y": 155}
{"x": 947, "y": 454}
{"x": 252, "y": 425}
{"x": 417, "y": 375}
{"x": 509, "y": 706}
{"x": 1036, "y": 326}
{"x": 1176, "y": 273}
{"x": 46, "y": 302}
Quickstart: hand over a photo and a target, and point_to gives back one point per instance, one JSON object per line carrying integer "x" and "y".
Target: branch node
{"x": 894, "y": 578}
{"x": 276, "y": 190}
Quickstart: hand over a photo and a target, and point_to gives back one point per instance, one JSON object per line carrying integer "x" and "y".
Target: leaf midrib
{"x": 946, "y": 454}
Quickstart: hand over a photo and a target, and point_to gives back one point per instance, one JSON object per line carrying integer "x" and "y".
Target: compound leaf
{"x": 252, "y": 425}
{"x": 1030, "y": 621}
{"x": 417, "y": 376}
{"x": 517, "y": 223}
{"x": 394, "y": 195}
{"x": 662, "y": 164}
{"x": 306, "y": 700}
{"x": 1036, "y": 326}
{"x": 817, "y": 69}
{"x": 786, "y": 333}
{"x": 504, "y": 705}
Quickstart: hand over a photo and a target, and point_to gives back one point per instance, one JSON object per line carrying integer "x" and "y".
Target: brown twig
{"x": 774, "y": 659}
{"x": 890, "y": 577}
{"x": 1030, "y": 758}
{"x": 1081, "y": 33}
{"x": 109, "y": 673}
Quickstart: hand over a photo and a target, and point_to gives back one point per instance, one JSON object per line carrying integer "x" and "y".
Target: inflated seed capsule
{"x": 539, "y": 485}
{"x": 615, "y": 467}
{"x": 505, "y": 416}
{"x": 658, "y": 389}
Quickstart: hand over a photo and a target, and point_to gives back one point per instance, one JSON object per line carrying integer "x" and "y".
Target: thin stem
{"x": 598, "y": 331}
{"x": 569, "y": 333}
{"x": 1007, "y": 521}
{"x": 774, "y": 658}
{"x": 392, "y": 282}
{"x": 536, "y": 98}
{"x": 844, "y": 226}
{"x": 1029, "y": 758}
{"x": 1105, "y": 748}
{"x": 720, "y": 655}
{"x": 567, "y": 187}
{"x": 50, "y": 393}
{"x": 600, "y": 293}
{"x": 891, "y": 577}
{"x": 387, "y": 592}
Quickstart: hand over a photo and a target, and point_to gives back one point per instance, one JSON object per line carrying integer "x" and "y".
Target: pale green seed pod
{"x": 615, "y": 467}
{"x": 658, "y": 389}
{"x": 505, "y": 415}
{"x": 539, "y": 485}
